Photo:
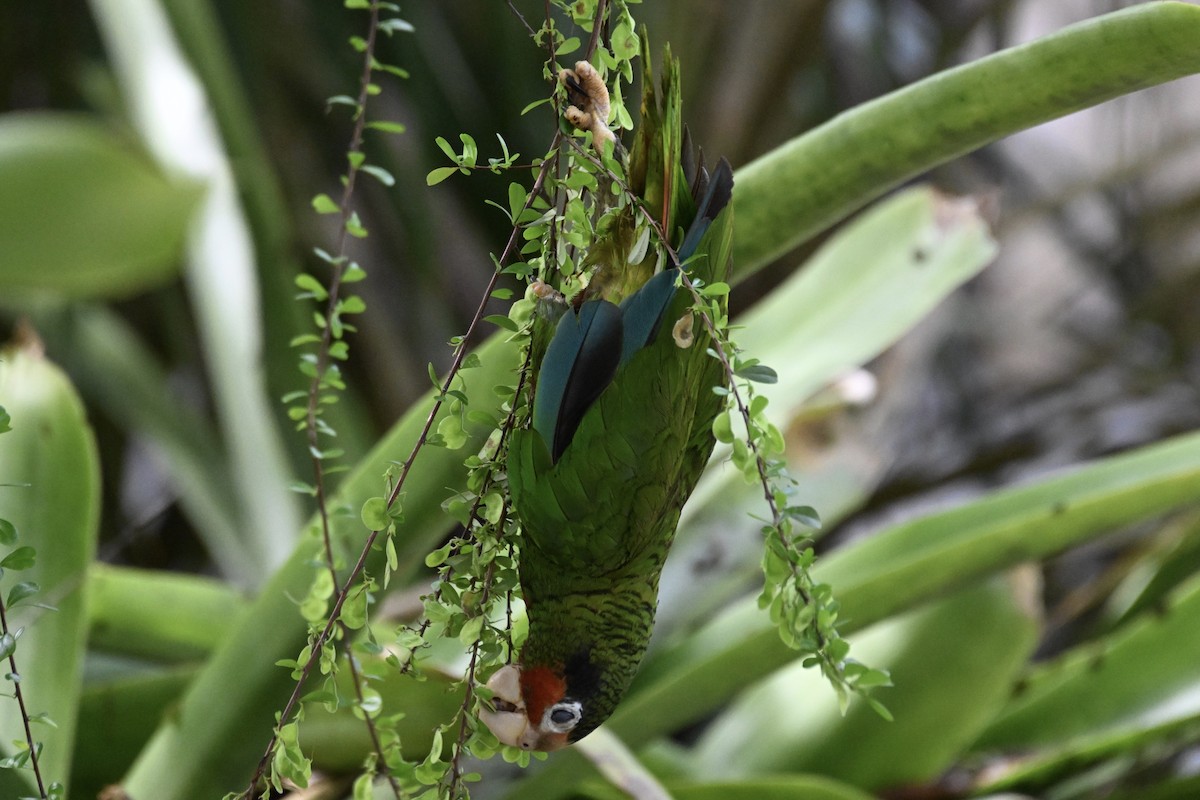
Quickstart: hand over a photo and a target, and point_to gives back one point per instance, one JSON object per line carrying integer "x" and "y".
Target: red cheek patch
{"x": 541, "y": 687}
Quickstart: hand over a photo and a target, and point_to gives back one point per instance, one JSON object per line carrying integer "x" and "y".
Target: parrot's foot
{"x": 546, "y": 292}
{"x": 590, "y": 106}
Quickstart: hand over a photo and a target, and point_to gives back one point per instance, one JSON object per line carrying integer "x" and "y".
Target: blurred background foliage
{"x": 1081, "y": 340}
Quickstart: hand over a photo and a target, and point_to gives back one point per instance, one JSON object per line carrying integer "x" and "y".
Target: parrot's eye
{"x": 563, "y": 717}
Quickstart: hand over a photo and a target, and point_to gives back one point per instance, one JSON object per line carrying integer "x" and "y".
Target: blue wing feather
{"x": 579, "y": 363}
{"x": 642, "y": 312}
{"x": 589, "y": 345}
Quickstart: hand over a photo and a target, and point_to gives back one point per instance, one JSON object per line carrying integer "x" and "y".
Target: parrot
{"x": 621, "y": 428}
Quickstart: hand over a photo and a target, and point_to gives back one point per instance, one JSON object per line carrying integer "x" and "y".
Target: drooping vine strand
{"x": 318, "y": 384}
{"x": 12, "y": 669}
{"x": 827, "y": 646}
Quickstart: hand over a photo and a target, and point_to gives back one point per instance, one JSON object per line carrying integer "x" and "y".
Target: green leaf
{"x": 395, "y": 25}
{"x": 723, "y": 428}
{"x": 759, "y": 373}
{"x": 625, "y": 42}
{"x": 918, "y": 560}
{"x": 84, "y": 212}
{"x": 354, "y": 610}
{"x": 21, "y": 591}
{"x": 446, "y": 148}
{"x": 354, "y": 227}
{"x": 164, "y": 617}
{"x": 8, "y": 533}
{"x": 470, "y": 152}
{"x": 452, "y": 432}
{"x": 855, "y": 315}
{"x": 312, "y": 287}
{"x": 782, "y": 787}
{"x": 439, "y": 174}
{"x": 517, "y": 197}
{"x": 374, "y": 514}
{"x": 540, "y": 102}
{"x": 501, "y": 321}
{"x": 1104, "y": 695}
{"x": 954, "y": 663}
{"x": 380, "y": 174}
{"x": 387, "y": 127}
{"x": 20, "y": 559}
{"x": 324, "y": 204}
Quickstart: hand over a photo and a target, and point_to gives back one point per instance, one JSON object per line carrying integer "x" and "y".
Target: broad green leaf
{"x": 175, "y": 122}
{"x": 118, "y": 713}
{"x": 83, "y": 211}
{"x": 953, "y": 663}
{"x": 1136, "y": 684}
{"x": 51, "y": 449}
{"x": 790, "y": 787}
{"x": 159, "y": 616}
{"x": 116, "y": 371}
{"x": 867, "y": 286}
{"x": 819, "y": 178}
{"x": 915, "y": 561}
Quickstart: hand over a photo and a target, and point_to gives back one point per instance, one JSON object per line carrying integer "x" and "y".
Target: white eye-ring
{"x": 563, "y": 717}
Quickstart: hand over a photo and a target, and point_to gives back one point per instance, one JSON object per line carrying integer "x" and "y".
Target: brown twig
{"x": 315, "y": 387}
{"x": 520, "y": 16}
{"x": 456, "y": 364}
{"x": 12, "y": 668}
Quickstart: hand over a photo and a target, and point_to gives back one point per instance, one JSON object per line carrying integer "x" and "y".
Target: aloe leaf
{"x": 953, "y": 663}
{"x": 791, "y": 787}
{"x": 1134, "y": 685}
{"x": 50, "y": 491}
{"x": 803, "y": 187}
{"x": 116, "y": 717}
{"x": 83, "y": 212}
{"x": 165, "y": 617}
{"x": 176, "y": 124}
{"x": 915, "y": 561}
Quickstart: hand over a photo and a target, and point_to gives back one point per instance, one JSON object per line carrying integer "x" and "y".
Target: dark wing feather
{"x": 579, "y": 363}
{"x": 716, "y": 196}
{"x": 642, "y": 312}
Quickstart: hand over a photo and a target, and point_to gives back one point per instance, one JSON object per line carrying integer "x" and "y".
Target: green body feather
{"x": 598, "y": 521}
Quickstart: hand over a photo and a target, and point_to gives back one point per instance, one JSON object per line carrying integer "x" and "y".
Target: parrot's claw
{"x": 589, "y": 99}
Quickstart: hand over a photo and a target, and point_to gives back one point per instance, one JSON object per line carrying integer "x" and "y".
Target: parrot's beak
{"x": 508, "y": 721}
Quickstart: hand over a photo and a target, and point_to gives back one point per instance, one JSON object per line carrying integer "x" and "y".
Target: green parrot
{"x": 621, "y": 430}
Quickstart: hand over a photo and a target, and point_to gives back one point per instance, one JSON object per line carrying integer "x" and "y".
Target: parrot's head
{"x": 537, "y": 709}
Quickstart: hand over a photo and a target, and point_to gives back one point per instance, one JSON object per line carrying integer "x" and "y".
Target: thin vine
{"x": 324, "y": 382}
{"x": 553, "y": 224}
{"x": 804, "y": 611}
